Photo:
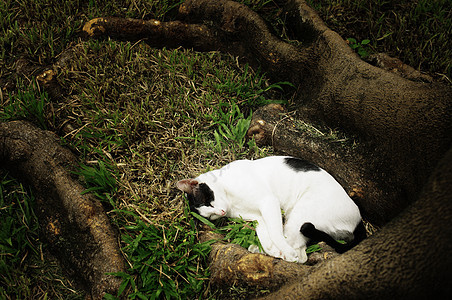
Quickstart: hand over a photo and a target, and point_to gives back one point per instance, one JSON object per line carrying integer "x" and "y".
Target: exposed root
{"x": 74, "y": 224}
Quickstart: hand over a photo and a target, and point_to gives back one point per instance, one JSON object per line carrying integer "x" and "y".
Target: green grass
{"x": 18, "y": 235}
{"x": 154, "y": 116}
{"x": 27, "y": 105}
{"x": 100, "y": 180}
{"x": 241, "y": 232}
{"x": 140, "y": 119}
{"x": 165, "y": 260}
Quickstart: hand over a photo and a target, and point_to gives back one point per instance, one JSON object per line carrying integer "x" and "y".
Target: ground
{"x": 141, "y": 118}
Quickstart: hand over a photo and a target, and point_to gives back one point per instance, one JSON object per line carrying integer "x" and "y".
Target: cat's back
{"x": 284, "y": 167}
{"x": 275, "y": 165}
{"x": 269, "y": 173}
{"x": 247, "y": 173}
{"x": 289, "y": 176}
{"x": 265, "y": 166}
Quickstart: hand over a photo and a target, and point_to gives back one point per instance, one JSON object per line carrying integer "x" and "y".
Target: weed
{"x": 244, "y": 92}
{"x": 249, "y": 88}
{"x": 359, "y": 47}
{"x": 243, "y": 233}
{"x": 166, "y": 261}
{"x": 313, "y": 248}
{"x": 26, "y": 105}
{"x": 99, "y": 180}
{"x": 232, "y": 131}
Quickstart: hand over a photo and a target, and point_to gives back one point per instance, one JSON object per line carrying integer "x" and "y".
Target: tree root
{"x": 154, "y": 32}
{"x": 74, "y": 224}
{"x": 233, "y": 265}
{"x": 403, "y": 128}
{"x": 208, "y": 26}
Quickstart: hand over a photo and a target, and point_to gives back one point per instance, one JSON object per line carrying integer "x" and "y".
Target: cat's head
{"x": 201, "y": 198}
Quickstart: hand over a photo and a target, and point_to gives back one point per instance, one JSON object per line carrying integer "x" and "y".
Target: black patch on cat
{"x": 202, "y": 196}
{"x": 309, "y": 230}
{"x": 300, "y": 165}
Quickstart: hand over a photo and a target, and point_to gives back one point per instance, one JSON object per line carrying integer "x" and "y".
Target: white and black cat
{"x": 315, "y": 206}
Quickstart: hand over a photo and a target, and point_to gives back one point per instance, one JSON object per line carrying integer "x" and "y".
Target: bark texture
{"x": 407, "y": 125}
{"x": 74, "y": 225}
{"x": 232, "y": 264}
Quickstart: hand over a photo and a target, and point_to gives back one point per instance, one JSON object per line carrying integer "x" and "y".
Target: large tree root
{"x": 396, "y": 262}
{"x": 233, "y": 265}
{"x": 75, "y": 226}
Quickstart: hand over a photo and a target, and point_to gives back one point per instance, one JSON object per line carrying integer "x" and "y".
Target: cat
{"x": 315, "y": 206}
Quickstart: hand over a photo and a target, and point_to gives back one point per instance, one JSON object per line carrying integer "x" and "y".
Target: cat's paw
{"x": 254, "y": 249}
{"x": 302, "y": 256}
{"x": 275, "y": 252}
{"x": 291, "y": 257}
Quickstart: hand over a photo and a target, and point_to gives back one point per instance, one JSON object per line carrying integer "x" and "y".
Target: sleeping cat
{"x": 315, "y": 206}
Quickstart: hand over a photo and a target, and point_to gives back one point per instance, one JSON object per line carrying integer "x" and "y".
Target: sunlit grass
{"x": 26, "y": 105}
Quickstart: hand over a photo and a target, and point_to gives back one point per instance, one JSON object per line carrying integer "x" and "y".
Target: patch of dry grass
{"x": 151, "y": 113}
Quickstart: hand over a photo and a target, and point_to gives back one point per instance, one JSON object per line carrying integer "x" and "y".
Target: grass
{"x": 240, "y": 232}
{"x": 156, "y": 121}
{"x": 165, "y": 260}
{"x": 140, "y": 119}
{"x": 28, "y": 104}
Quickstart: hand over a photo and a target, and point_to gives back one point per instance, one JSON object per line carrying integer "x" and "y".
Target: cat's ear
{"x": 187, "y": 185}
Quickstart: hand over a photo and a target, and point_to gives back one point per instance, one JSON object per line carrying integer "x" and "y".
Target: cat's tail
{"x": 309, "y": 230}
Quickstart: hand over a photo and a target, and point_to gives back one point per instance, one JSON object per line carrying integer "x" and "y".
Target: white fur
{"x": 260, "y": 189}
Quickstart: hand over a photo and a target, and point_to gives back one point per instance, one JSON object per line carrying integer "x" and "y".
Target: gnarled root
{"x": 74, "y": 224}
